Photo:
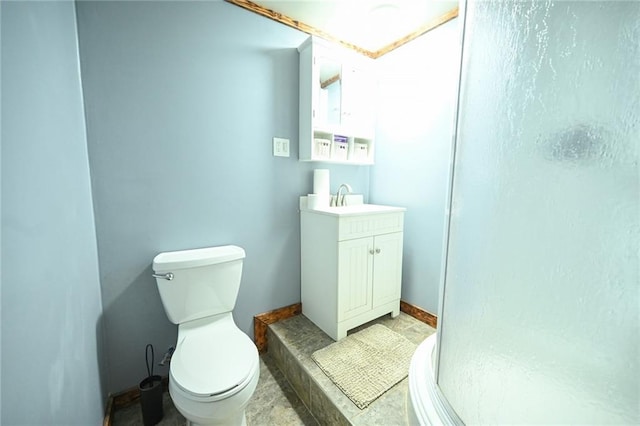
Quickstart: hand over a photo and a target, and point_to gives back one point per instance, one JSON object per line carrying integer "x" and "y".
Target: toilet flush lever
{"x": 167, "y": 276}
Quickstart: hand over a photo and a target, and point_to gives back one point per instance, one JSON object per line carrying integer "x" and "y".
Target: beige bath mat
{"x": 366, "y": 364}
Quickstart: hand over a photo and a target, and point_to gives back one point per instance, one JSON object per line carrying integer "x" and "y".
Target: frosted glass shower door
{"x": 539, "y": 318}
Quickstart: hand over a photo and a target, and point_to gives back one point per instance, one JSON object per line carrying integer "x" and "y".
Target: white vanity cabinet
{"x": 336, "y": 104}
{"x": 351, "y": 267}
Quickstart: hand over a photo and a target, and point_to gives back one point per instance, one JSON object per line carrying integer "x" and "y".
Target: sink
{"x": 355, "y": 209}
{"x": 350, "y": 199}
{"x": 358, "y": 209}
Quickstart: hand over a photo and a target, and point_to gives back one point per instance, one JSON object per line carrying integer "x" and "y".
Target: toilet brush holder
{"x": 151, "y": 394}
{"x": 151, "y": 400}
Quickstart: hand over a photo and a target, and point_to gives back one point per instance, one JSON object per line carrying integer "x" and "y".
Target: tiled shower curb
{"x": 313, "y": 394}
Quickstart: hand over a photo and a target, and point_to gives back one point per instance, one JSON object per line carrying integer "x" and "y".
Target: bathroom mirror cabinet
{"x": 336, "y": 104}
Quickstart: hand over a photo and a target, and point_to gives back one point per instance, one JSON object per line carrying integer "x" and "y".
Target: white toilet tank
{"x": 198, "y": 283}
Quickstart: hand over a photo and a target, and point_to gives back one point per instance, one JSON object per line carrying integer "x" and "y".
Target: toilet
{"x": 215, "y": 367}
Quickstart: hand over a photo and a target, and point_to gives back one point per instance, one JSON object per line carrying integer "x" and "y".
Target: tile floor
{"x": 274, "y": 403}
{"x": 289, "y": 398}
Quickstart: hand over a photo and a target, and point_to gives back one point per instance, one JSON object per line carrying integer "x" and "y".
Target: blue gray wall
{"x": 50, "y": 290}
{"x": 182, "y": 100}
{"x": 413, "y": 139}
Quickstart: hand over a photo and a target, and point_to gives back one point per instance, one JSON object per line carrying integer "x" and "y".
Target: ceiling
{"x": 370, "y": 26}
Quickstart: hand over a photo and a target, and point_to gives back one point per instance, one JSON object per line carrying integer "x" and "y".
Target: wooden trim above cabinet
{"x": 287, "y": 20}
{"x": 329, "y": 81}
{"x": 443, "y": 19}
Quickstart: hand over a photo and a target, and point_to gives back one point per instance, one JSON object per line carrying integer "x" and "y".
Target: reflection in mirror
{"x": 330, "y": 92}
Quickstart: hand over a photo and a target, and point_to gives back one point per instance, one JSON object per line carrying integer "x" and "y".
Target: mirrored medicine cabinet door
{"x": 345, "y": 97}
{"x": 330, "y": 93}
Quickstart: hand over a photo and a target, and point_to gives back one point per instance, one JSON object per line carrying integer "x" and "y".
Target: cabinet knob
{"x": 370, "y": 251}
{"x": 377, "y": 250}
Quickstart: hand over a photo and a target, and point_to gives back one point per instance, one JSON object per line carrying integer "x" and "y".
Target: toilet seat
{"x": 210, "y": 366}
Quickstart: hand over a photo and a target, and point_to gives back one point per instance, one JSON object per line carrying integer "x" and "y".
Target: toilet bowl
{"x": 215, "y": 367}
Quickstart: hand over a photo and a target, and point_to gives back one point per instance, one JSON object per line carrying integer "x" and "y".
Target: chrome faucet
{"x": 342, "y": 201}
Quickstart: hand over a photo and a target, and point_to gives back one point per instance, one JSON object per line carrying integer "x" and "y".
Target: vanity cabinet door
{"x": 369, "y": 273}
{"x": 387, "y": 269}
{"x": 355, "y": 272}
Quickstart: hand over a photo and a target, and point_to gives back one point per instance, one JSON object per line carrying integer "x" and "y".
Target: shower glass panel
{"x": 539, "y": 318}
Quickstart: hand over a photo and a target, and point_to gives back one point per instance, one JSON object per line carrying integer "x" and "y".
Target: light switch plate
{"x": 280, "y": 147}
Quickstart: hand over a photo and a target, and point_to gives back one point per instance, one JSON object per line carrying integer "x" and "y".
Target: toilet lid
{"x": 206, "y": 366}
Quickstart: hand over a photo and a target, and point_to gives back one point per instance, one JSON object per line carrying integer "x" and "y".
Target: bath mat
{"x": 366, "y": 364}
